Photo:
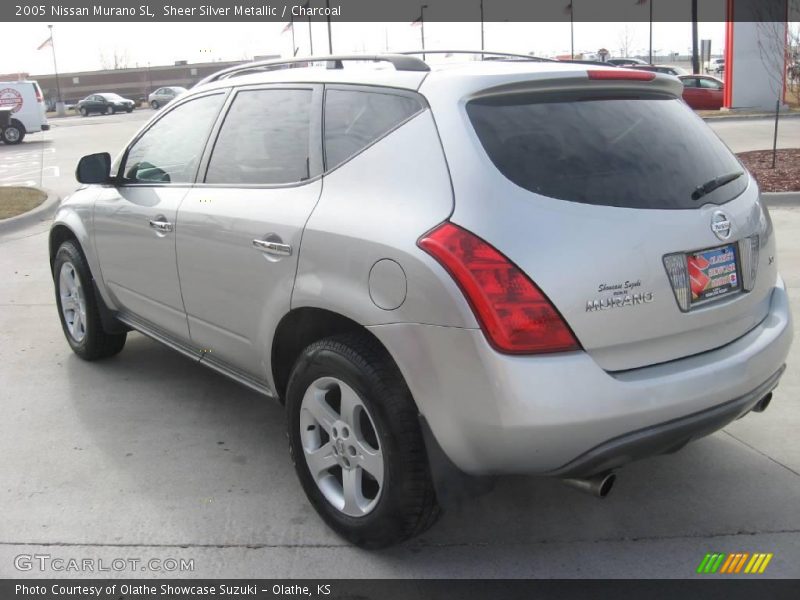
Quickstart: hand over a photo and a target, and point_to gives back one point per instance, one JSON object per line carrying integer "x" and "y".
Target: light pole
{"x": 59, "y": 103}
{"x": 482, "y": 48}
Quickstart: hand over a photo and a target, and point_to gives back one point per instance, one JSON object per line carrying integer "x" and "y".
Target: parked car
{"x": 626, "y": 62}
{"x": 104, "y": 104}
{"x": 666, "y": 69}
{"x": 164, "y": 95}
{"x": 703, "y": 92}
{"x": 550, "y": 293}
{"x": 717, "y": 66}
{"x": 28, "y": 112}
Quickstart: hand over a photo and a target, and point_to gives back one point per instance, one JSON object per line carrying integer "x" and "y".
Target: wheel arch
{"x": 301, "y": 327}
{"x": 62, "y": 232}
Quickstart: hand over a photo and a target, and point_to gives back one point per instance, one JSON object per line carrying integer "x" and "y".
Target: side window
{"x": 709, "y": 84}
{"x": 690, "y": 82}
{"x": 170, "y": 150}
{"x": 355, "y": 119}
{"x": 264, "y": 139}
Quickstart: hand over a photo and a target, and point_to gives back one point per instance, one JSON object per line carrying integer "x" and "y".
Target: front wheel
{"x": 110, "y": 110}
{"x": 356, "y": 442}
{"x": 84, "y": 112}
{"x": 154, "y": 105}
{"x": 78, "y": 308}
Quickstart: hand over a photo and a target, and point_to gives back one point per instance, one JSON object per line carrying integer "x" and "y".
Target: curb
{"x": 40, "y": 214}
{"x": 735, "y": 117}
{"x": 781, "y": 198}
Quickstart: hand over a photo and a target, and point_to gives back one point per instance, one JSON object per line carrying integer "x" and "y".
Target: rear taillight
{"x": 38, "y": 94}
{"x": 613, "y": 74}
{"x": 516, "y": 317}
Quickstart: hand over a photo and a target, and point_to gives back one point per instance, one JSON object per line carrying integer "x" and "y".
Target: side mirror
{"x": 94, "y": 168}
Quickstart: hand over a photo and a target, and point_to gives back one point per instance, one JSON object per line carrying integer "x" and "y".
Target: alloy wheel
{"x": 341, "y": 447}
{"x": 73, "y": 301}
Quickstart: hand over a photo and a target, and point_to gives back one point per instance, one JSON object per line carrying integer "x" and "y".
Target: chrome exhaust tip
{"x": 762, "y": 404}
{"x": 598, "y": 486}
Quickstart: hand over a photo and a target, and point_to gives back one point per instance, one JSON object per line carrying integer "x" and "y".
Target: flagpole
{"x": 330, "y": 37}
{"x": 422, "y": 27}
{"x": 291, "y": 25}
{"x": 651, "y": 31}
{"x": 310, "y": 37}
{"x": 55, "y": 68}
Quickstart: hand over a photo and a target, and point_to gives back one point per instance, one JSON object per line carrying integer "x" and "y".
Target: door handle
{"x": 162, "y": 226}
{"x": 270, "y": 247}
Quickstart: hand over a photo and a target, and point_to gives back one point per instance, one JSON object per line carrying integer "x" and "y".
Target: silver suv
{"x": 443, "y": 272}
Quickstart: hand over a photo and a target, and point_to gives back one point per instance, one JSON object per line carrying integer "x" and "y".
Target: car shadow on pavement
{"x": 202, "y": 460}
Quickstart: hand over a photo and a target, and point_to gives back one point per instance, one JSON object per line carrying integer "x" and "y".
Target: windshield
{"x": 634, "y": 152}
{"x": 112, "y": 96}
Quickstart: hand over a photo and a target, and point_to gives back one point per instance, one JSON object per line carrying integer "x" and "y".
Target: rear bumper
{"x": 45, "y": 127}
{"x": 665, "y": 437}
{"x": 564, "y": 415}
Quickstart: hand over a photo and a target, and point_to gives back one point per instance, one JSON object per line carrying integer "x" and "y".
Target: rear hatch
{"x": 626, "y": 210}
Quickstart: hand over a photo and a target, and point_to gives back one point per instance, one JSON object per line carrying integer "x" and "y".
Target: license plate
{"x": 713, "y": 273}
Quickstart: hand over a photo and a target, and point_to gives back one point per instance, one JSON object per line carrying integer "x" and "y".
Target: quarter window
{"x": 355, "y": 119}
{"x": 170, "y": 151}
{"x": 264, "y": 140}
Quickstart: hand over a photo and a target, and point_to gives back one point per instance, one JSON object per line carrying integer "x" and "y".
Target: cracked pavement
{"x": 149, "y": 455}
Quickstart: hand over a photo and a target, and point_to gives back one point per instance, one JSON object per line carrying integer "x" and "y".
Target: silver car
{"x": 444, "y": 273}
{"x": 164, "y": 95}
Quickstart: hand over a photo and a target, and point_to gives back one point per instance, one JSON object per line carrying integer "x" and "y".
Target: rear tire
{"x": 110, "y": 110}
{"x": 78, "y": 308}
{"x": 395, "y": 500}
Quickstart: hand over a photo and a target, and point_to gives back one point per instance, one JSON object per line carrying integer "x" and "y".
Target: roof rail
{"x": 401, "y": 62}
{"x": 483, "y": 53}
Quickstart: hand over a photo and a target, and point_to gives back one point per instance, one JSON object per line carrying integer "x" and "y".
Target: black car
{"x": 104, "y": 104}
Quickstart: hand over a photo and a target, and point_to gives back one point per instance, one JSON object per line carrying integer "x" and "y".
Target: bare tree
{"x": 777, "y": 46}
{"x": 626, "y": 40}
{"x": 118, "y": 59}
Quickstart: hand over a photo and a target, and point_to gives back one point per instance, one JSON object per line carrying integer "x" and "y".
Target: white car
{"x": 28, "y": 112}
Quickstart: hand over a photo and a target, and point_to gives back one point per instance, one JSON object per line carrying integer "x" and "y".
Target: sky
{"x": 90, "y": 46}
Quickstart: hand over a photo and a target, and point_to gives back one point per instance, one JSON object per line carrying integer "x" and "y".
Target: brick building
{"x": 135, "y": 83}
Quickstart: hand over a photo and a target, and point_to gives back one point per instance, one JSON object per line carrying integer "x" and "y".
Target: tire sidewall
{"x": 84, "y": 111}
{"x": 324, "y": 362}
{"x": 69, "y": 253}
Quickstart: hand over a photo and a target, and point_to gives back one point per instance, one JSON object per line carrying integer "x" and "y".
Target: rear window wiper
{"x": 717, "y": 182}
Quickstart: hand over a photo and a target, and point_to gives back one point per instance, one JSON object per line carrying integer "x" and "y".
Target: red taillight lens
{"x": 515, "y": 315}
{"x": 38, "y": 93}
{"x": 620, "y": 74}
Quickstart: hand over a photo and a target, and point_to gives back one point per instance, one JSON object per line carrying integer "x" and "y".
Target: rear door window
{"x": 632, "y": 152}
{"x": 265, "y": 139}
{"x": 355, "y": 119}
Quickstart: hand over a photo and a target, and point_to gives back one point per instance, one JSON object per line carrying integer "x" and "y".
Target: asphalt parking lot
{"x": 149, "y": 455}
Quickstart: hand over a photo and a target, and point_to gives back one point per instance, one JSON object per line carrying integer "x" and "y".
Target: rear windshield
{"x": 642, "y": 152}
